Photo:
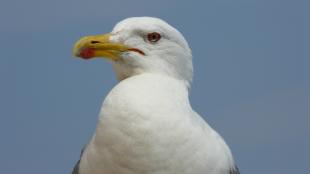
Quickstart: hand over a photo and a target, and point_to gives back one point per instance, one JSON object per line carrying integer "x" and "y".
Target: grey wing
{"x": 76, "y": 168}
{"x": 234, "y": 170}
{"x": 77, "y": 165}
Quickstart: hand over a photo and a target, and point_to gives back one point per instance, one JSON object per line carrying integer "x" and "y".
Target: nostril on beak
{"x": 94, "y": 42}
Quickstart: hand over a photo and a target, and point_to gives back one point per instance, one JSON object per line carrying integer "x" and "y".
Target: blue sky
{"x": 251, "y": 82}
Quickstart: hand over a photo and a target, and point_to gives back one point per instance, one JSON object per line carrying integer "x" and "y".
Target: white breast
{"x": 147, "y": 126}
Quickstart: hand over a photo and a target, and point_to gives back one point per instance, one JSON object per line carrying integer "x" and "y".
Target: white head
{"x": 141, "y": 45}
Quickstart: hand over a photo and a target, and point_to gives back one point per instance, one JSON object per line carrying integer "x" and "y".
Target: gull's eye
{"x": 153, "y": 37}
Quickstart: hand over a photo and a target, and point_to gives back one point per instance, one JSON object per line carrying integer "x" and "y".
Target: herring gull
{"x": 146, "y": 124}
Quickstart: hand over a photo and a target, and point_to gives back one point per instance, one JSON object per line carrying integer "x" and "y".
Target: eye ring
{"x": 153, "y": 37}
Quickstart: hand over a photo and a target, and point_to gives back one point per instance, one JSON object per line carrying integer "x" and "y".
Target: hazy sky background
{"x": 251, "y": 80}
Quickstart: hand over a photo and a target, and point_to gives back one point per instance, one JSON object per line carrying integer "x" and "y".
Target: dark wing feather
{"x": 234, "y": 170}
{"x": 76, "y": 168}
{"x": 77, "y": 165}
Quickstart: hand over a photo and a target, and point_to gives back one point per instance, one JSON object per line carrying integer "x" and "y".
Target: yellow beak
{"x": 99, "y": 46}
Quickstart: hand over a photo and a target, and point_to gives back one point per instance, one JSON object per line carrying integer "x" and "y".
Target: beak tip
{"x": 86, "y": 53}
{"x": 76, "y": 53}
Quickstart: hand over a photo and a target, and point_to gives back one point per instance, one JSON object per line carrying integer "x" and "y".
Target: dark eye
{"x": 153, "y": 37}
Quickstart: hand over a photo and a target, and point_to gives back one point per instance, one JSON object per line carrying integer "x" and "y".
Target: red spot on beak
{"x": 87, "y": 53}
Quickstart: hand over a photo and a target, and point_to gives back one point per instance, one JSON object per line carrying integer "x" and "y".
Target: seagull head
{"x": 141, "y": 45}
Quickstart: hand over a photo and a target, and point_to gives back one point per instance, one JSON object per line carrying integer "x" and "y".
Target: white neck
{"x": 146, "y": 122}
